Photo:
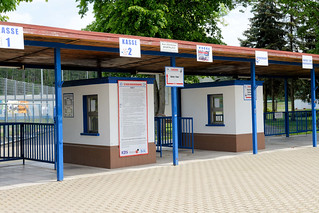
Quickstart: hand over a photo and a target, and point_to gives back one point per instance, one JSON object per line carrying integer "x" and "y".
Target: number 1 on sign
{"x": 8, "y": 40}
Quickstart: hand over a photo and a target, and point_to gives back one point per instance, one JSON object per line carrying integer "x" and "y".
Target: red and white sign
{"x": 174, "y": 76}
{"x": 247, "y": 92}
{"x": 133, "y": 118}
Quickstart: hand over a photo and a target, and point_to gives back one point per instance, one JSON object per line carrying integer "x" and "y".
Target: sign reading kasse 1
{"x": 174, "y": 76}
{"x": 11, "y": 37}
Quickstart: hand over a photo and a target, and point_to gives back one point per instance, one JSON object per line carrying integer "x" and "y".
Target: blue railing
{"x": 27, "y": 141}
{"x": 164, "y": 137}
{"x": 298, "y": 122}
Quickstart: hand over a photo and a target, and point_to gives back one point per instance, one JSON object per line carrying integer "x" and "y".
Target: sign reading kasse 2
{"x": 11, "y": 37}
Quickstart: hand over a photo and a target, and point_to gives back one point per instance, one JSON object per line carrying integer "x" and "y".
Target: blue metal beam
{"x": 253, "y": 107}
{"x": 58, "y": 104}
{"x": 174, "y": 119}
{"x": 286, "y": 109}
{"x": 313, "y": 107}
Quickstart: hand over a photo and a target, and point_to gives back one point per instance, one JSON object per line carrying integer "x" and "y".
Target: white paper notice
{"x": 174, "y": 76}
{"x": 169, "y": 47}
{"x": 130, "y": 47}
{"x": 133, "y": 118}
{"x": 307, "y": 62}
{"x": 204, "y": 53}
{"x": 261, "y": 58}
{"x": 247, "y": 92}
{"x": 11, "y": 37}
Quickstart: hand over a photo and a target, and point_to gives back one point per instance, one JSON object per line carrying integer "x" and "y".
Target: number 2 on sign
{"x": 129, "y": 51}
{"x": 8, "y": 40}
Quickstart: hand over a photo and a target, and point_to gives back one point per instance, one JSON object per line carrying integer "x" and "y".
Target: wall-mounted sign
{"x": 169, "y": 47}
{"x": 11, "y": 37}
{"x": 68, "y": 105}
{"x": 279, "y": 115}
{"x": 247, "y": 92}
{"x": 174, "y": 76}
{"x": 261, "y": 58}
{"x": 204, "y": 53}
{"x": 133, "y": 118}
{"x": 307, "y": 62}
{"x": 130, "y": 47}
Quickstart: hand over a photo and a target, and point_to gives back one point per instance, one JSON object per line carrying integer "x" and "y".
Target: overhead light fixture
{"x": 12, "y": 67}
{"x": 307, "y": 79}
{"x": 243, "y": 76}
{"x": 149, "y": 73}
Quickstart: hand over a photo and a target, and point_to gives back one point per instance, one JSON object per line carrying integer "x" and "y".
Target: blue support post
{"x": 286, "y": 109}
{"x": 58, "y": 104}
{"x": 253, "y": 107}
{"x": 313, "y": 106}
{"x": 174, "y": 119}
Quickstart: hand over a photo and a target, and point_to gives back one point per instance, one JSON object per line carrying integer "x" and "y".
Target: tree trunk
{"x": 273, "y": 96}
{"x": 161, "y": 96}
{"x": 292, "y": 96}
{"x": 155, "y": 98}
{"x": 265, "y": 98}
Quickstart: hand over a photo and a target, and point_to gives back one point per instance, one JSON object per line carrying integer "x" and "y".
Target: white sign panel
{"x": 169, "y": 47}
{"x": 204, "y": 53}
{"x": 11, "y": 37}
{"x": 307, "y": 62}
{"x": 174, "y": 76}
{"x": 261, "y": 58}
{"x": 278, "y": 115}
{"x": 247, "y": 92}
{"x": 130, "y": 47}
{"x": 133, "y": 118}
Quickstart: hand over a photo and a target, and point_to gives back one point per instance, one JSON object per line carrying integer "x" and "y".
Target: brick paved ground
{"x": 279, "y": 181}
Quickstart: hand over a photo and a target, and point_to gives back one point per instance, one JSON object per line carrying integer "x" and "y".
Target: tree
{"x": 172, "y": 19}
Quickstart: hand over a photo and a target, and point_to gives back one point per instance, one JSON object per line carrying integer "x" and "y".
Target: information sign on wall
{"x": 174, "y": 76}
{"x": 261, "y": 58}
{"x": 170, "y": 47}
{"x": 130, "y": 47}
{"x": 68, "y": 105}
{"x": 247, "y": 92}
{"x": 307, "y": 62}
{"x": 204, "y": 53}
{"x": 133, "y": 118}
{"x": 11, "y": 37}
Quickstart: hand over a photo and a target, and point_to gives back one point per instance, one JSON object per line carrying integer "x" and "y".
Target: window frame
{"x": 87, "y": 114}
{"x": 211, "y": 109}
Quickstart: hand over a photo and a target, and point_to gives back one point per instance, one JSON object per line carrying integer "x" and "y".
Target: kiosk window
{"x": 90, "y": 114}
{"x": 215, "y": 109}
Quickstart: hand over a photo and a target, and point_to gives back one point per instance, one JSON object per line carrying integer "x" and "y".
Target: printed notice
{"x": 247, "y": 92}
{"x": 130, "y": 47}
{"x": 11, "y": 37}
{"x": 204, "y": 53}
{"x": 170, "y": 47}
{"x": 307, "y": 62}
{"x": 261, "y": 58}
{"x": 174, "y": 76}
{"x": 133, "y": 126}
{"x": 68, "y": 105}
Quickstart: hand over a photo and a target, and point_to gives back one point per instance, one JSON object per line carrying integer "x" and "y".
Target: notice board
{"x": 133, "y": 117}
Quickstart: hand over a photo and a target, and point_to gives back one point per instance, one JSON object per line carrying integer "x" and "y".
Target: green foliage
{"x": 191, "y": 20}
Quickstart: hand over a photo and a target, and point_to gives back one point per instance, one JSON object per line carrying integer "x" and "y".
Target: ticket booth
{"x": 222, "y": 115}
{"x": 109, "y": 122}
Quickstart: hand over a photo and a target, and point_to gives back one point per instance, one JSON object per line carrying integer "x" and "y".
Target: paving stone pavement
{"x": 277, "y": 181}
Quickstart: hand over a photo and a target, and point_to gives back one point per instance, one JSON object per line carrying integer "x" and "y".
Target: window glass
{"x": 92, "y": 114}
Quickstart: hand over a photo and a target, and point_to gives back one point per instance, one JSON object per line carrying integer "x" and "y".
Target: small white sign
{"x": 307, "y": 62}
{"x": 174, "y": 76}
{"x": 130, "y": 47}
{"x": 247, "y": 92}
{"x": 204, "y": 53}
{"x": 278, "y": 115}
{"x": 169, "y": 47}
{"x": 261, "y": 58}
{"x": 11, "y": 37}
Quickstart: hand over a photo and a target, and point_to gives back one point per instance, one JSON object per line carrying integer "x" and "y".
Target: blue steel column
{"x": 58, "y": 104}
{"x": 286, "y": 109}
{"x": 313, "y": 105}
{"x": 253, "y": 107}
{"x": 174, "y": 119}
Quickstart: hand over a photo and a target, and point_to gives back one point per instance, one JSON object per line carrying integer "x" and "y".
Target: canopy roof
{"x": 83, "y": 50}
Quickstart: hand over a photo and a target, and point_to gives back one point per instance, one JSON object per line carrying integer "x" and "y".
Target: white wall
{"x": 237, "y": 112}
{"x": 108, "y": 115}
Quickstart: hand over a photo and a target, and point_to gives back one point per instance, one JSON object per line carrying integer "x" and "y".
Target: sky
{"x": 64, "y": 14}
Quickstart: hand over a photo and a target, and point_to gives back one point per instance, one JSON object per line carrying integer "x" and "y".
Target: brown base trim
{"x": 104, "y": 156}
{"x": 228, "y": 143}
